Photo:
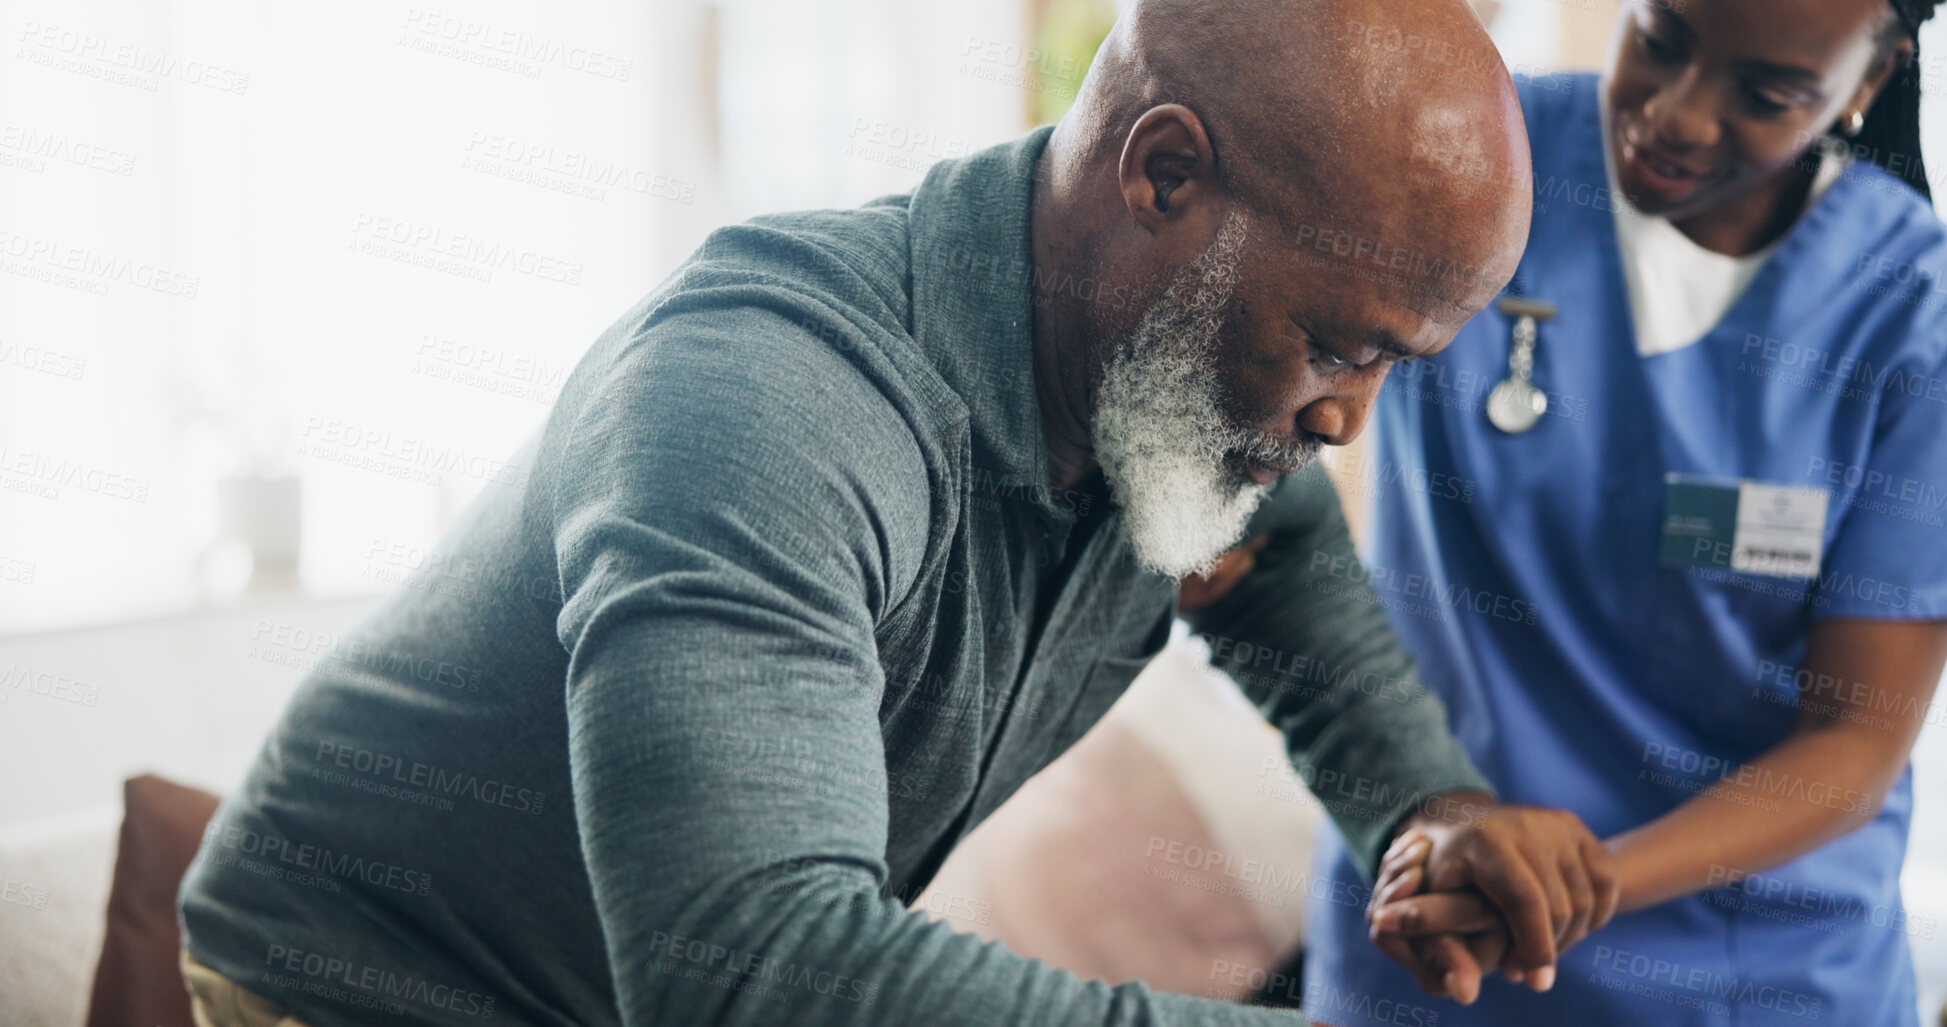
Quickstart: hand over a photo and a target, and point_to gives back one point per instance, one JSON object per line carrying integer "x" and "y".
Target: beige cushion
{"x": 54, "y": 875}
{"x": 1166, "y": 846}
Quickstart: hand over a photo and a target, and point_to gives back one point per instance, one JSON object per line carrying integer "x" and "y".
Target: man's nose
{"x": 1339, "y": 416}
{"x": 1683, "y": 114}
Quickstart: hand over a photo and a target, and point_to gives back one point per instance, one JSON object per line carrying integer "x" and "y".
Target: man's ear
{"x": 1168, "y": 174}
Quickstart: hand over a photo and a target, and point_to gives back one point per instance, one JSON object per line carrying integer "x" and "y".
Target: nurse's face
{"x": 1712, "y": 101}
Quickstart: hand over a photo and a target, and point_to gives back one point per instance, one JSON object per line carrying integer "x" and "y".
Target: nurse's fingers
{"x": 1548, "y": 867}
{"x": 1411, "y": 957}
{"x": 1522, "y": 899}
{"x": 1448, "y": 912}
{"x": 1561, "y": 913}
{"x": 1442, "y": 965}
{"x": 1460, "y": 974}
{"x": 1604, "y": 880}
{"x": 1581, "y": 896}
{"x": 1488, "y": 949}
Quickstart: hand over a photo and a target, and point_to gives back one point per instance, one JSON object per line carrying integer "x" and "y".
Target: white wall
{"x": 363, "y": 242}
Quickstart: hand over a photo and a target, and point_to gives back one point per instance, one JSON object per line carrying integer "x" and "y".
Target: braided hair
{"x": 1891, "y": 135}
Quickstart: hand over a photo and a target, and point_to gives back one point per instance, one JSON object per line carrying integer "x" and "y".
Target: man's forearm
{"x": 1308, "y": 642}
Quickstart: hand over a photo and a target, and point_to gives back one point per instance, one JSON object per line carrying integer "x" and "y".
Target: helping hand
{"x": 1520, "y": 883}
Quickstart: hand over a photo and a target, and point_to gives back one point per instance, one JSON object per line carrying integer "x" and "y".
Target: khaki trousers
{"x": 217, "y": 1001}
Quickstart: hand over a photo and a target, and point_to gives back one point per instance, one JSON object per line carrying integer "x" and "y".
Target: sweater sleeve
{"x": 1308, "y": 641}
{"x": 734, "y": 513}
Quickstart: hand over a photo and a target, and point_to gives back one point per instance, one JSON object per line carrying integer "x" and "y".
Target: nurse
{"x": 1668, "y": 532}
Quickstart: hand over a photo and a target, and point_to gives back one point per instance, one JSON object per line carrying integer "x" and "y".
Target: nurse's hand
{"x": 1543, "y": 871}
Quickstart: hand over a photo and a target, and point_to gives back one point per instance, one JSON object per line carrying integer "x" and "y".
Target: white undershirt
{"x": 1679, "y": 291}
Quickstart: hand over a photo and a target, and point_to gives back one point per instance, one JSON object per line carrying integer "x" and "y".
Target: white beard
{"x": 1160, "y": 433}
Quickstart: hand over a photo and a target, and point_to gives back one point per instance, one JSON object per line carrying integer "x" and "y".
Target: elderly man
{"x": 863, "y": 517}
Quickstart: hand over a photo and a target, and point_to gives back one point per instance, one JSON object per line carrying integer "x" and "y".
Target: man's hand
{"x": 1545, "y": 875}
{"x": 1200, "y": 590}
{"x": 1456, "y": 938}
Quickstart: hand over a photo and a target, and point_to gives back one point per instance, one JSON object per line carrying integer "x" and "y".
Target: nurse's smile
{"x": 1644, "y": 171}
{"x": 1713, "y": 103}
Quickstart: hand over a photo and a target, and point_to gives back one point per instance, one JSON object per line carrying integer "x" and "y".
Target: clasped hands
{"x": 1471, "y": 886}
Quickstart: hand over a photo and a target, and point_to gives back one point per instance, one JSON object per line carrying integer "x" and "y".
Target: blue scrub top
{"x": 1523, "y": 572}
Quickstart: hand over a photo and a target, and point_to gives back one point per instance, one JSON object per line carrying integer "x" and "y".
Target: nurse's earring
{"x": 1855, "y": 123}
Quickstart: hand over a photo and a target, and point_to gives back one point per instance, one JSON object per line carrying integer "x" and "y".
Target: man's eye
{"x": 1329, "y": 361}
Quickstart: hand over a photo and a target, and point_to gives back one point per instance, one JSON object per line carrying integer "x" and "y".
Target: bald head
{"x": 1270, "y": 203}
{"x": 1392, "y": 120}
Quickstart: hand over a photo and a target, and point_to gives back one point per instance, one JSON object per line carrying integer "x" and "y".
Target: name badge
{"x": 1743, "y": 526}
